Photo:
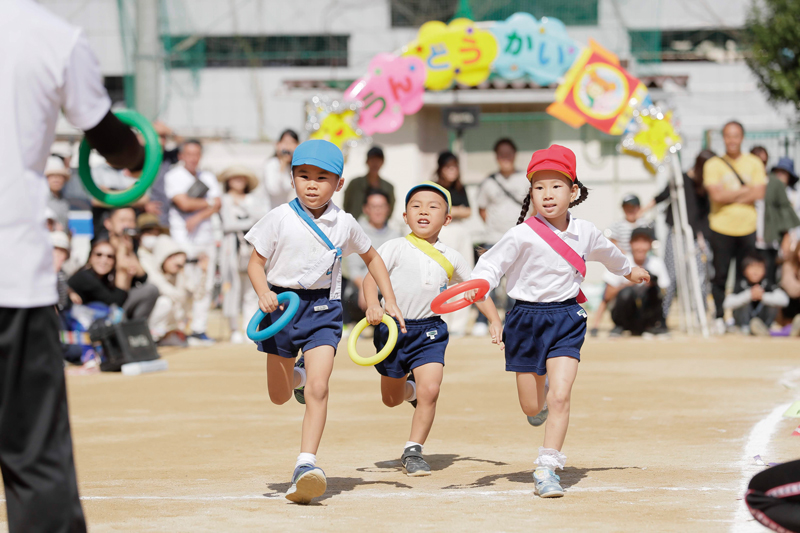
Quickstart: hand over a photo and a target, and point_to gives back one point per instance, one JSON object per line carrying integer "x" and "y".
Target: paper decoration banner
{"x": 599, "y": 91}
{"x": 457, "y": 51}
{"x": 392, "y": 87}
{"x": 334, "y": 121}
{"x": 542, "y": 50}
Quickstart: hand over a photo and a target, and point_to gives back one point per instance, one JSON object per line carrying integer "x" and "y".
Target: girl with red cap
{"x": 544, "y": 262}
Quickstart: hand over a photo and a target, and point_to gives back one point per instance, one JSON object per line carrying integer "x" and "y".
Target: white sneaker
{"x": 237, "y": 337}
{"x": 480, "y": 329}
{"x": 720, "y": 327}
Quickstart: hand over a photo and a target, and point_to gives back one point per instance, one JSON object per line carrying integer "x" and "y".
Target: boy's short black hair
{"x": 504, "y": 140}
{"x": 375, "y": 151}
{"x": 752, "y": 259}
{"x": 192, "y": 141}
{"x": 642, "y": 233}
{"x": 373, "y": 192}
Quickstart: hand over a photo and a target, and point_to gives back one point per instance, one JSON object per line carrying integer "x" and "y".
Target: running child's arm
{"x": 606, "y": 252}
{"x": 377, "y": 270}
{"x": 267, "y": 300}
{"x": 374, "y": 310}
{"x": 495, "y": 325}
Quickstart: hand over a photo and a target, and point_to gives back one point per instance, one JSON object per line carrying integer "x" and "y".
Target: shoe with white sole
{"x": 758, "y": 328}
{"x": 547, "y": 483}
{"x": 414, "y": 463}
{"x": 719, "y": 327}
{"x": 308, "y": 482}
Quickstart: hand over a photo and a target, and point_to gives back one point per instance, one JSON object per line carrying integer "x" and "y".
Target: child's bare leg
{"x": 562, "y": 372}
{"x": 319, "y": 365}
{"x": 281, "y": 378}
{"x": 429, "y": 380}
{"x": 530, "y": 389}
{"x": 394, "y": 391}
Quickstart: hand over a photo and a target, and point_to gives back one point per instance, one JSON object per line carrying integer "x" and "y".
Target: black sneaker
{"x": 299, "y": 392}
{"x": 413, "y": 462}
{"x": 617, "y": 332}
{"x": 411, "y": 379}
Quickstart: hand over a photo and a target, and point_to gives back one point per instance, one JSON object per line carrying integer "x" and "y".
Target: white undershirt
{"x": 535, "y": 272}
{"x": 416, "y": 278}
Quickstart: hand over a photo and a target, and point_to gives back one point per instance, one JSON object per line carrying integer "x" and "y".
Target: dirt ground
{"x": 661, "y": 439}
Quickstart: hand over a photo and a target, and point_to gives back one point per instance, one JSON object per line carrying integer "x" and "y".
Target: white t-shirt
{"x": 652, "y": 264}
{"x": 291, "y": 247}
{"x": 537, "y": 273}
{"x": 46, "y": 65}
{"x": 502, "y": 211}
{"x": 178, "y": 181}
{"x": 416, "y": 278}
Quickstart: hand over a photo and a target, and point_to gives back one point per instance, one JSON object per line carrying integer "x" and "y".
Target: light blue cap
{"x": 319, "y": 153}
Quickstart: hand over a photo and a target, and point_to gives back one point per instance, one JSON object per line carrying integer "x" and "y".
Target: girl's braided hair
{"x": 526, "y": 204}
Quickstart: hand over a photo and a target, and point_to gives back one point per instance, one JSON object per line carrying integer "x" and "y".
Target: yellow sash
{"x": 427, "y": 248}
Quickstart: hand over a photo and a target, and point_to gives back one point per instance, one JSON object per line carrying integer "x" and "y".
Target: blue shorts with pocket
{"x": 535, "y": 332}
{"x": 318, "y": 322}
{"x": 425, "y": 342}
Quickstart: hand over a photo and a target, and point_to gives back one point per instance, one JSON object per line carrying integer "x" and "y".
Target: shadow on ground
{"x": 336, "y": 486}
{"x": 569, "y": 476}
{"x": 436, "y": 461}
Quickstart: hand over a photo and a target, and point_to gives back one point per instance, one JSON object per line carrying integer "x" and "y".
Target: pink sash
{"x": 561, "y": 248}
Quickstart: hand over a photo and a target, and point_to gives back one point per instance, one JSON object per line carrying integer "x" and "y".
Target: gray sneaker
{"x": 413, "y": 462}
{"x": 547, "y": 483}
{"x": 308, "y": 482}
{"x": 539, "y": 419}
{"x": 758, "y": 328}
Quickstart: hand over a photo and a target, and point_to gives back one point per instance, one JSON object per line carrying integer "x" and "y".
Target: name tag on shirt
{"x": 320, "y": 308}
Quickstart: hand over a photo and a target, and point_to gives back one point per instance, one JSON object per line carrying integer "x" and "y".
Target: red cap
{"x": 556, "y": 158}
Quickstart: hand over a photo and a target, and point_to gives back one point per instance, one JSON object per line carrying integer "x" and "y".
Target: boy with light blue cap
{"x": 301, "y": 245}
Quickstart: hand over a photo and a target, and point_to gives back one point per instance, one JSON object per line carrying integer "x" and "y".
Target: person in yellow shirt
{"x": 734, "y": 182}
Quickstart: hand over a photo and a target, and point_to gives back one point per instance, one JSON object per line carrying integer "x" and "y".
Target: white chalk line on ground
{"x": 757, "y": 444}
{"x": 410, "y": 493}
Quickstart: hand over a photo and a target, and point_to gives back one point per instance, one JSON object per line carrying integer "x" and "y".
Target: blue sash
{"x": 328, "y": 265}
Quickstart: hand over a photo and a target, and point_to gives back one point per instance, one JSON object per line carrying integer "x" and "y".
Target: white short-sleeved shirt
{"x": 178, "y": 181}
{"x": 537, "y": 273}
{"x": 502, "y": 199}
{"x": 292, "y": 248}
{"x": 416, "y": 278}
{"x": 46, "y": 65}
{"x": 654, "y": 265}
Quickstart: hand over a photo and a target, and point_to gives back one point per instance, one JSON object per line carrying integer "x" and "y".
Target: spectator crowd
{"x": 180, "y": 250}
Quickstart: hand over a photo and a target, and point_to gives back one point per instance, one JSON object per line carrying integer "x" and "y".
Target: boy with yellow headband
{"x": 423, "y": 267}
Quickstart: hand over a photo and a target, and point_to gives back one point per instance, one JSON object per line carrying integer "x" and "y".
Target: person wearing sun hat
{"x": 57, "y": 175}
{"x": 304, "y": 242}
{"x": 240, "y": 211}
{"x": 544, "y": 260}
{"x": 420, "y": 267}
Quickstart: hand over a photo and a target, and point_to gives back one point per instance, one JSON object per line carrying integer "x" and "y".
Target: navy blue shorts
{"x": 535, "y": 332}
{"x": 318, "y": 322}
{"x": 425, "y": 342}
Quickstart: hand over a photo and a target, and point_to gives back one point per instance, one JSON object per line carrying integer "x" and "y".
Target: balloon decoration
{"x": 595, "y": 89}
{"x": 651, "y": 136}
{"x": 334, "y": 121}
{"x": 392, "y": 87}
{"x": 541, "y": 50}
{"x": 457, "y": 51}
{"x": 599, "y": 91}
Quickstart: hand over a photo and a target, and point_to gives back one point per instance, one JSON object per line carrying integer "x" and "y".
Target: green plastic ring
{"x": 153, "y": 153}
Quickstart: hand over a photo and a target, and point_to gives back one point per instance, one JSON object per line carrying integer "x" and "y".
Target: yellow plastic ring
{"x": 378, "y": 357}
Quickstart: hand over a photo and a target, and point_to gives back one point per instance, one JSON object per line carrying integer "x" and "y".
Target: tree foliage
{"x": 773, "y": 36}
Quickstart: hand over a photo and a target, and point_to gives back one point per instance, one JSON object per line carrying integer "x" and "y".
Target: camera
{"x": 286, "y": 152}
{"x": 130, "y": 232}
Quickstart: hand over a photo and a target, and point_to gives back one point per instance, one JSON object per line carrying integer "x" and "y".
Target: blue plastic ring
{"x": 252, "y": 328}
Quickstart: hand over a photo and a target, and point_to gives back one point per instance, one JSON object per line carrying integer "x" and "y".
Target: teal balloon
{"x": 538, "y": 49}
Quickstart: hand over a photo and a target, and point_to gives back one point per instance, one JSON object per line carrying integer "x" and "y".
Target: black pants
{"x": 773, "y": 497}
{"x": 726, "y": 248}
{"x": 35, "y": 441}
{"x": 638, "y": 308}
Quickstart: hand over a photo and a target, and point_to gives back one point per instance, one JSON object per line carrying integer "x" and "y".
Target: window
{"x": 256, "y": 51}
{"x": 710, "y": 44}
{"x": 413, "y": 13}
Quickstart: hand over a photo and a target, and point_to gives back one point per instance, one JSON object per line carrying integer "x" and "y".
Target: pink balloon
{"x": 393, "y": 87}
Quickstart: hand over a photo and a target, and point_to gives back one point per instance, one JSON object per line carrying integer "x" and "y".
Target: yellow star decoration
{"x": 337, "y": 128}
{"x": 658, "y": 135}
